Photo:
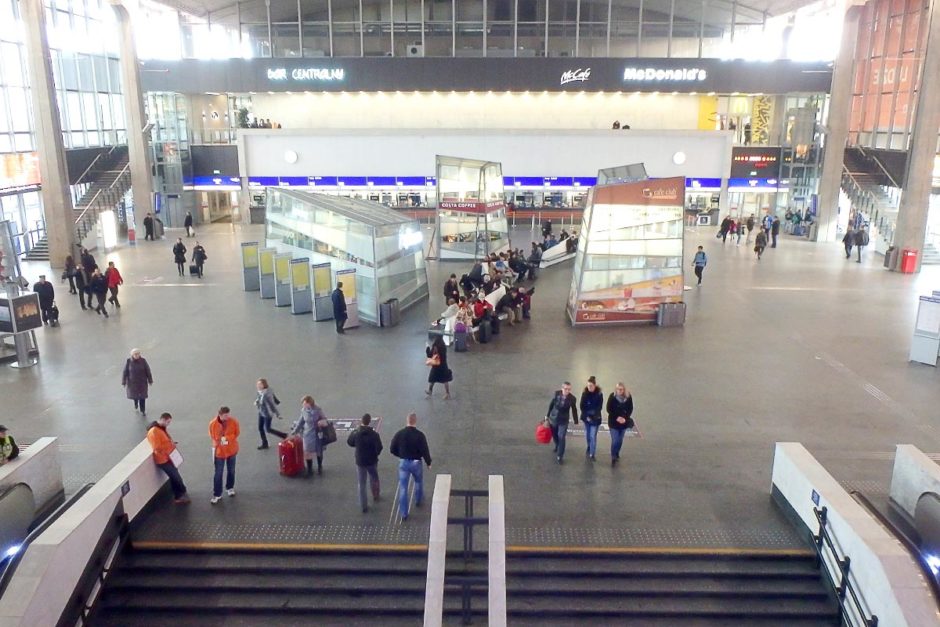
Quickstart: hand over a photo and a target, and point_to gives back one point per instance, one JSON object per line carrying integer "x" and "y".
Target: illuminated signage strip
{"x": 420, "y": 181}
{"x": 664, "y": 75}
{"x": 307, "y": 74}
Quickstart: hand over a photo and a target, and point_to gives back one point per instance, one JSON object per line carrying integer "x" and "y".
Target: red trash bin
{"x": 909, "y": 260}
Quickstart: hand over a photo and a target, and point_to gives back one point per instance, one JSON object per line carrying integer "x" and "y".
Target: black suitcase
{"x": 193, "y": 270}
{"x": 486, "y": 331}
{"x": 460, "y": 341}
{"x": 54, "y": 316}
{"x": 494, "y": 322}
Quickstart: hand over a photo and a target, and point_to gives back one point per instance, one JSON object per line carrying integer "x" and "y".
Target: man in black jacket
{"x": 368, "y": 445}
{"x": 410, "y": 446}
{"x": 46, "y": 296}
{"x": 452, "y": 289}
{"x": 148, "y": 227}
{"x": 339, "y": 307}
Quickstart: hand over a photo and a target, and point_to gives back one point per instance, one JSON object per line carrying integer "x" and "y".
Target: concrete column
{"x": 138, "y": 145}
{"x": 56, "y": 200}
{"x": 915, "y": 197}
{"x": 840, "y": 108}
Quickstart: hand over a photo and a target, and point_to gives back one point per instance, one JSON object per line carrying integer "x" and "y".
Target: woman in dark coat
{"x": 440, "y": 373}
{"x": 619, "y": 419}
{"x": 136, "y": 379}
{"x": 69, "y": 273}
{"x": 179, "y": 255}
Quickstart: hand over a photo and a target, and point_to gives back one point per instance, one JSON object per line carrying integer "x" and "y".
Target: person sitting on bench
{"x": 507, "y": 305}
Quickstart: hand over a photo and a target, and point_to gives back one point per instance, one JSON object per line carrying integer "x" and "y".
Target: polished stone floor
{"x": 801, "y": 346}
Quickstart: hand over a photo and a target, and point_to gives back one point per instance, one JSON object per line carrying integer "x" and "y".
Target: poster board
{"x": 928, "y": 317}
{"x": 348, "y": 279}
{"x": 300, "y": 274}
{"x": 20, "y": 314}
{"x": 250, "y": 280}
{"x": 322, "y": 286}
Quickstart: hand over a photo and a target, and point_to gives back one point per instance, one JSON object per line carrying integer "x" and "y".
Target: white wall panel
{"x": 522, "y": 153}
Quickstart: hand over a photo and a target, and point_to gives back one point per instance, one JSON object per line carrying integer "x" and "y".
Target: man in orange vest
{"x": 164, "y": 454}
{"x": 224, "y": 430}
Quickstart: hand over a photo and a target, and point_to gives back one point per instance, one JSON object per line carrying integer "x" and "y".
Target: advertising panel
{"x": 322, "y": 280}
{"x": 19, "y": 170}
{"x": 249, "y": 255}
{"x": 282, "y": 269}
{"x": 19, "y": 314}
{"x": 300, "y": 274}
{"x": 266, "y": 260}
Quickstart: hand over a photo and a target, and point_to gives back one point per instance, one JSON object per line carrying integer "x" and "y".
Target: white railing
{"x": 437, "y": 553}
{"x": 496, "y": 556}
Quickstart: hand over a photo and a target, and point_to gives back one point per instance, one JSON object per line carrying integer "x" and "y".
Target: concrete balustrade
{"x": 885, "y": 577}
{"x": 38, "y": 467}
{"x": 53, "y": 563}
{"x": 437, "y": 553}
{"x": 914, "y": 473}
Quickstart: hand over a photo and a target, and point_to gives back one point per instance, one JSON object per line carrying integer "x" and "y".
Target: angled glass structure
{"x": 629, "y": 258}
{"x": 471, "y": 208}
{"x": 383, "y": 246}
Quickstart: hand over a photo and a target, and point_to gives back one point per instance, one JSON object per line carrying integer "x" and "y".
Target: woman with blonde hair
{"x": 310, "y": 424}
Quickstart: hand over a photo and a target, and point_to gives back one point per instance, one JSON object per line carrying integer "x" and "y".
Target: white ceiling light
{"x": 291, "y": 157}
{"x": 678, "y": 158}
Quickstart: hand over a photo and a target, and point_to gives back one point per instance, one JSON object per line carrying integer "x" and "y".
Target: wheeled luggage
{"x": 495, "y": 323}
{"x": 486, "y": 331}
{"x": 460, "y": 341}
{"x": 290, "y": 454}
{"x": 54, "y": 316}
{"x": 193, "y": 270}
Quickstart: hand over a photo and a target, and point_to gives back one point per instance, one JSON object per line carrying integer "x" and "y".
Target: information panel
{"x": 348, "y": 279}
{"x": 322, "y": 286}
{"x": 250, "y": 278}
{"x": 20, "y": 314}
{"x": 282, "y": 296}
{"x": 300, "y": 274}
{"x": 266, "y": 271}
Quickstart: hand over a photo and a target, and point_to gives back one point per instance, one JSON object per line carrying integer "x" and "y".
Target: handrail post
{"x": 496, "y": 555}
{"x": 437, "y": 553}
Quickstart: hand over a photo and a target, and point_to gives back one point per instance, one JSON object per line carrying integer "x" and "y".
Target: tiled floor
{"x": 801, "y": 346}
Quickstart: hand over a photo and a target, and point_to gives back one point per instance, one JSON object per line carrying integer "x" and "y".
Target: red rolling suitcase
{"x": 290, "y": 452}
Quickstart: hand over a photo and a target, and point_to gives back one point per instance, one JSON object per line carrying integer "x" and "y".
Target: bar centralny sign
{"x": 307, "y": 74}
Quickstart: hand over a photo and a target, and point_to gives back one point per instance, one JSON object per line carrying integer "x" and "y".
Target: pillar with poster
{"x": 301, "y": 296}
{"x": 348, "y": 279}
{"x": 250, "y": 278}
{"x": 629, "y": 261}
{"x": 282, "y": 290}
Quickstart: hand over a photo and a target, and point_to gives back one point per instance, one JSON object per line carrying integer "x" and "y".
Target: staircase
{"x": 266, "y": 586}
{"x": 666, "y": 588}
{"x": 931, "y": 256}
{"x": 111, "y": 182}
{"x": 39, "y": 251}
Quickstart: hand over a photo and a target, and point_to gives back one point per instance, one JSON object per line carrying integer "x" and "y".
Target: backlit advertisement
{"x": 19, "y": 170}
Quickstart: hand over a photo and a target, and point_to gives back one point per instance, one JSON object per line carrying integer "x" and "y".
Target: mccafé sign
{"x": 679, "y": 75}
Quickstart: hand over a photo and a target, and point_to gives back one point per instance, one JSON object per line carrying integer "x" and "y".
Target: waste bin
{"x": 389, "y": 313}
{"x": 671, "y": 315}
{"x": 888, "y": 254}
{"x": 909, "y": 260}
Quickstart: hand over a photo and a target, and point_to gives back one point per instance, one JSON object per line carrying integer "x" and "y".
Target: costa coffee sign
{"x": 471, "y": 206}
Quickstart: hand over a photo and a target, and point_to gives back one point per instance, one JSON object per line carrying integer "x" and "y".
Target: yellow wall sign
{"x": 250, "y": 256}
{"x": 322, "y": 283}
{"x": 267, "y": 261}
{"x": 300, "y": 275}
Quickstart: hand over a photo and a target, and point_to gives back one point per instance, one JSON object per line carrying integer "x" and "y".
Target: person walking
{"x": 99, "y": 287}
{"x": 560, "y": 410}
{"x": 410, "y": 447}
{"x": 81, "y": 286}
{"x": 148, "y": 227}
{"x": 848, "y": 240}
{"x": 115, "y": 280}
{"x": 188, "y": 224}
{"x": 88, "y": 268}
{"x": 166, "y": 457}
{"x": 591, "y": 405}
{"x": 750, "y": 228}
{"x": 760, "y": 243}
{"x": 310, "y": 424}
{"x": 69, "y": 273}
{"x": 266, "y": 401}
{"x": 368, "y": 445}
{"x": 861, "y": 241}
{"x": 179, "y": 255}
{"x": 136, "y": 380}
{"x": 224, "y": 430}
{"x": 439, "y": 373}
{"x": 8, "y": 448}
{"x": 46, "y": 293}
{"x": 699, "y": 262}
{"x": 339, "y": 307}
{"x": 619, "y": 419}
{"x": 724, "y": 228}
{"x": 199, "y": 258}
{"x": 774, "y": 231}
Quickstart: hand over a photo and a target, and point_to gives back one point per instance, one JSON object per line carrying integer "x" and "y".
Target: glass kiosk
{"x": 383, "y": 246}
{"x": 629, "y": 259}
{"x": 471, "y": 208}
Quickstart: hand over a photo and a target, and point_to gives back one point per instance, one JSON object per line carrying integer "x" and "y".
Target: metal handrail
{"x": 879, "y": 164}
{"x": 14, "y": 560}
{"x": 844, "y": 586}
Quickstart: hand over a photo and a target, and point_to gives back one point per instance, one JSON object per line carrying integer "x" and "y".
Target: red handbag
{"x": 543, "y": 433}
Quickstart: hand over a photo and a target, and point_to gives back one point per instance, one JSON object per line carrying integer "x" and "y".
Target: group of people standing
{"x": 87, "y": 281}
{"x": 564, "y": 407}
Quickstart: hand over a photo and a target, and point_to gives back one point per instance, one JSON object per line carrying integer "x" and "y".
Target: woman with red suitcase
{"x": 311, "y": 423}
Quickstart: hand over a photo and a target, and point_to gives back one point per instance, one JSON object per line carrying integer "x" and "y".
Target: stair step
{"x": 614, "y": 606}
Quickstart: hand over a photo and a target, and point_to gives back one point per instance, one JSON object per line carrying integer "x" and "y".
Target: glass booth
{"x": 629, "y": 258}
{"x": 382, "y": 245}
{"x": 471, "y": 208}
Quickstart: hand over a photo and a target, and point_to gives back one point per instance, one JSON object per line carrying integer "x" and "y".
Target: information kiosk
{"x": 925, "y": 345}
{"x": 301, "y": 296}
{"x": 282, "y": 280}
{"x": 250, "y": 278}
{"x": 266, "y": 271}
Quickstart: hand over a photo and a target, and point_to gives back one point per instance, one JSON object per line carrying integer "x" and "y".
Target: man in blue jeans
{"x": 411, "y": 447}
